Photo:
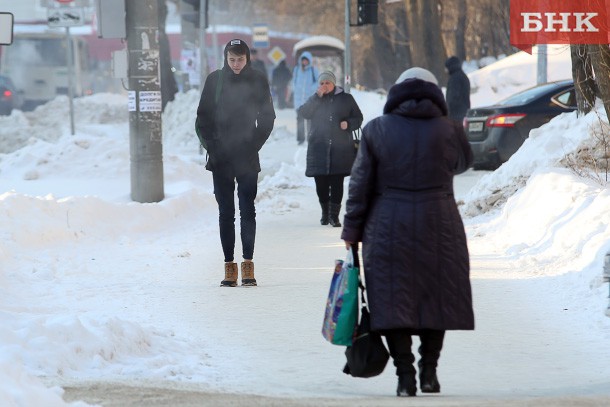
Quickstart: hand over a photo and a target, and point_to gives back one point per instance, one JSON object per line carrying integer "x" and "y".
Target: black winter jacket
{"x": 458, "y": 90}
{"x": 236, "y": 127}
{"x": 330, "y": 150}
{"x": 401, "y": 207}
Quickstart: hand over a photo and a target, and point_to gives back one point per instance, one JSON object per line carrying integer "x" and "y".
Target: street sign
{"x": 6, "y": 28}
{"x": 276, "y": 55}
{"x": 65, "y": 13}
{"x": 65, "y": 16}
{"x": 260, "y": 36}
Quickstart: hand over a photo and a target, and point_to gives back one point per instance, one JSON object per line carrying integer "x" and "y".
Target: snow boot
{"x": 334, "y": 214}
{"x": 247, "y": 274}
{"x": 399, "y": 344}
{"x": 407, "y": 387}
{"x": 430, "y": 351}
{"x": 325, "y": 215}
{"x": 230, "y": 275}
{"x": 428, "y": 381}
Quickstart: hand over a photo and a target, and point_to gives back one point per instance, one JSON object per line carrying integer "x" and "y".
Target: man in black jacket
{"x": 235, "y": 118}
{"x": 458, "y": 90}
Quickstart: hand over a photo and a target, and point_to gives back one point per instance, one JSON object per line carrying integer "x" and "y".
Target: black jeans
{"x": 329, "y": 188}
{"x": 224, "y": 191}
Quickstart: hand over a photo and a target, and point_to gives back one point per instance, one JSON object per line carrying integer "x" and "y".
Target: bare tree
{"x": 600, "y": 60}
{"x": 426, "y": 42}
{"x": 460, "y": 30}
{"x": 582, "y": 72}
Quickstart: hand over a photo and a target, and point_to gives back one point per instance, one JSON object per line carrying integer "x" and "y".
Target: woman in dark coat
{"x": 334, "y": 114}
{"x": 401, "y": 207}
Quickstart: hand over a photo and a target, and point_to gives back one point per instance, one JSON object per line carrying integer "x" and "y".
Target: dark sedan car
{"x": 9, "y": 97}
{"x": 496, "y": 132}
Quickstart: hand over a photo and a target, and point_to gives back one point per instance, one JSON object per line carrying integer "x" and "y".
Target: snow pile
{"x": 545, "y": 148}
{"x": 48, "y": 122}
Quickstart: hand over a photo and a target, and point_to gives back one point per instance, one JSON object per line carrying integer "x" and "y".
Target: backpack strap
{"x": 218, "y": 88}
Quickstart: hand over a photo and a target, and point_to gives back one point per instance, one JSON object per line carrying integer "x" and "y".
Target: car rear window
{"x": 527, "y": 95}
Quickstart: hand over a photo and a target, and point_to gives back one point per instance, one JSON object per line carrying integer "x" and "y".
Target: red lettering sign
{"x": 558, "y": 22}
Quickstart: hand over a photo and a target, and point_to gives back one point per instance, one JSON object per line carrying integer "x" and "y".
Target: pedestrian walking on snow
{"x": 458, "y": 90}
{"x": 401, "y": 207}
{"x": 304, "y": 84}
{"x": 257, "y": 64}
{"x": 334, "y": 114}
{"x": 235, "y": 118}
{"x": 280, "y": 78}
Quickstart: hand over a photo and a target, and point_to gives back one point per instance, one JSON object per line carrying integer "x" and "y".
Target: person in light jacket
{"x": 401, "y": 207}
{"x": 334, "y": 114}
{"x": 304, "y": 84}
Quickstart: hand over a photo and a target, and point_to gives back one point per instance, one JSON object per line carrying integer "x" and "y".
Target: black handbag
{"x": 367, "y": 356}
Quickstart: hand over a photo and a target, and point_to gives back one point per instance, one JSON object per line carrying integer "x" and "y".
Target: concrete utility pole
{"x": 146, "y": 149}
{"x": 541, "y": 76}
{"x": 347, "y": 57}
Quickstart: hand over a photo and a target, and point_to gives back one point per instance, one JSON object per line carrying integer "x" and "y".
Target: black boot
{"x": 325, "y": 214}
{"x": 399, "y": 344}
{"x": 428, "y": 382}
{"x": 334, "y": 214}
{"x": 430, "y": 351}
{"x": 407, "y": 387}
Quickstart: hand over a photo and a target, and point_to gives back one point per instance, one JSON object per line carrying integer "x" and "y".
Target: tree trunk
{"x": 427, "y": 46}
{"x": 433, "y": 40}
{"x": 418, "y": 55}
{"x": 390, "y": 44}
{"x": 600, "y": 60}
{"x": 584, "y": 82}
{"x": 460, "y": 31}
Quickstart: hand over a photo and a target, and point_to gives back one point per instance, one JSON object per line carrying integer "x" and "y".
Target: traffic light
{"x": 367, "y": 11}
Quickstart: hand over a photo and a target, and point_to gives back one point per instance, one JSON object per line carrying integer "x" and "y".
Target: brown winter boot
{"x": 247, "y": 274}
{"x": 230, "y": 275}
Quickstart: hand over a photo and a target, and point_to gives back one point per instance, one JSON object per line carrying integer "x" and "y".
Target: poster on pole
{"x": 150, "y": 101}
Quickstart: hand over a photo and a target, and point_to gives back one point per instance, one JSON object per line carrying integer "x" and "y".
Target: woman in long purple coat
{"x": 401, "y": 207}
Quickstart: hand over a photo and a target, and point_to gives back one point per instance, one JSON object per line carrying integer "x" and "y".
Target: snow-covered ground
{"x": 97, "y": 288}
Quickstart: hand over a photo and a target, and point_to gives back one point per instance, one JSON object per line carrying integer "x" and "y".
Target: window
{"x": 566, "y": 99}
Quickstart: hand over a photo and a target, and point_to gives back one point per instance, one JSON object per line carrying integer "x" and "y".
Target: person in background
{"x": 334, "y": 114}
{"x": 401, "y": 207}
{"x": 257, "y": 64}
{"x": 235, "y": 117}
{"x": 280, "y": 78}
{"x": 458, "y": 90}
{"x": 304, "y": 84}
